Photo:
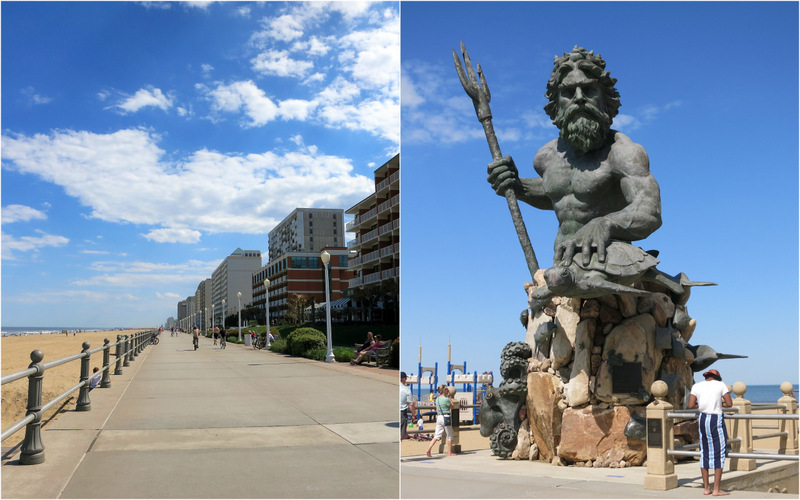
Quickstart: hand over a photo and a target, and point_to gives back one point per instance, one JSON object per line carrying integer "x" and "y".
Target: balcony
{"x": 389, "y": 273}
{"x": 370, "y": 256}
{"x": 369, "y": 236}
{"x": 372, "y": 278}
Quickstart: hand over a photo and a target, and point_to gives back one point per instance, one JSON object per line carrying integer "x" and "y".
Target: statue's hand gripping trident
{"x": 479, "y": 92}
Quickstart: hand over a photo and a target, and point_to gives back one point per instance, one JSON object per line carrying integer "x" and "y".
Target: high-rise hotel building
{"x": 376, "y": 225}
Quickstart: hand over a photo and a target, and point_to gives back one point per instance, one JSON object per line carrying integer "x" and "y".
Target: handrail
{"x": 661, "y": 418}
{"x": 127, "y": 348}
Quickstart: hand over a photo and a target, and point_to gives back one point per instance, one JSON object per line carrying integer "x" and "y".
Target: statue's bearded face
{"x": 582, "y": 117}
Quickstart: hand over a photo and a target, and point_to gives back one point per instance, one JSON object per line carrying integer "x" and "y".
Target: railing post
{"x": 117, "y": 354}
{"x": 106, "y": 380}
{"x": 83, "y": 396}
{"x": 788, "y": 443}
{"x": 134, "y": 346}
{"x": 127, "y": 351}
{"x": 32, "y": 451}
{"x": 660, "y": 434}
{"x": 743, "y": 429}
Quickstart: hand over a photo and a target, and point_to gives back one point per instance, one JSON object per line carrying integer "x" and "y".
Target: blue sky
{"x": 709, "y": 89}
{"x": 142, "y": 143}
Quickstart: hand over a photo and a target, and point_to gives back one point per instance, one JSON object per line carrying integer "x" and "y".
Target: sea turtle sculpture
{"x": 624, "y": 266}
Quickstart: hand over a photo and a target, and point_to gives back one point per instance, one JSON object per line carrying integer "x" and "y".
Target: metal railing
{"x": 660, "y": 432}
{"x": 127, "y": 349}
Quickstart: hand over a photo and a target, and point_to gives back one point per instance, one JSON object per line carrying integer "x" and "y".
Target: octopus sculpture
{"x": 499, "y": 412}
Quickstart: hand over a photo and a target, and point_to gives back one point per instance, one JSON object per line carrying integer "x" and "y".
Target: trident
{"x": 479, "y": 92}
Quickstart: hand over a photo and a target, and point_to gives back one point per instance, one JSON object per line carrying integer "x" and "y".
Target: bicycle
{"x": 154, "y": 340}
{"x": 259, "y": 343}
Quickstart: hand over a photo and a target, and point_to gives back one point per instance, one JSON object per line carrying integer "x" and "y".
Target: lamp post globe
{"x": 326, "y": 259}
{"x": 223, "y": 313}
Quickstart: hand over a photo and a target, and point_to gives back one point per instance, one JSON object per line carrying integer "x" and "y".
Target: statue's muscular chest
{"x": 586, "y": 181}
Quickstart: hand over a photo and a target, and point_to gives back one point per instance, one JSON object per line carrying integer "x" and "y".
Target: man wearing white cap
{"x": 710, "y": 397}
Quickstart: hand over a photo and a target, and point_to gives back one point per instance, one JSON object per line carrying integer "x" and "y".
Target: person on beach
{"x": 710, "y": 397}
{"x": 444, "y": 423}
{"x": 406, "y": 405}
{"x": 96, "y": 377}
{"x": 215, "y": 334}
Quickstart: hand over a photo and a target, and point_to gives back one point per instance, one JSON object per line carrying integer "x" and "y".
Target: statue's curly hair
{"x": 593, "y": 66}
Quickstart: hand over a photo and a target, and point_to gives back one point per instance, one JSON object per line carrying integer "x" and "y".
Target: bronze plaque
{"x": 654, "y": 433}
{"x": 627, "y": 378}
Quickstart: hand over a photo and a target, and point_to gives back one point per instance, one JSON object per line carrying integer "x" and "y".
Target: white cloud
{"x": 411, "y": 98}
{"x": 20, "y": 213}
{"x": 29, "y": 243}
{"x": 219, "y": 192}
{"x": 280, "y": 63}
{"x": 33, "y": 97}
{"x": 146, "y": 97}
{"x": 207, "y": 68}
{"x": 173, "y": 235}
{"x": 139, "y": 273}
{"x": 247, "y": 97}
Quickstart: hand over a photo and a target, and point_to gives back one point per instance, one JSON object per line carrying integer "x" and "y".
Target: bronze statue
{"x": 596, "y": 179}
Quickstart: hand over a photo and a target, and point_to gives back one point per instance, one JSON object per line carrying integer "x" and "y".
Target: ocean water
{"x": 765, "y": 393}
{"x": 46, "y": 330}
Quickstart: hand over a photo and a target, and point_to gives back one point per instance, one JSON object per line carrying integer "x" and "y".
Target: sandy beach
{"x": 16, "y": 351}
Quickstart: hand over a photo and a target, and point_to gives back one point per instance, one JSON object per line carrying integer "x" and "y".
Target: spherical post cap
{"x": 786, "y": 388}
{"x": 37, "y": 356}
{"x": 739, "y": 388}
{"x": 86, "y": 346}
{"x": 659, "y": 389}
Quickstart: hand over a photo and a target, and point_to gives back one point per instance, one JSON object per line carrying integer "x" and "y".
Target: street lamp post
{"x": 266, "y": 302}
{"x": 239, "y": 296}
{"x": 205, "y": 323}
{"x": 223, "y": 313}
{"x": 326, "y": 259}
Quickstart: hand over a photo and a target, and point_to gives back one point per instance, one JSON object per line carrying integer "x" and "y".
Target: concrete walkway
{"x": 212, "y": 423}
{"x": 479, "y": 474}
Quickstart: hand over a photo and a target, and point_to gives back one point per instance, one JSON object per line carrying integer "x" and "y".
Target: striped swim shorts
{"x": 713, "y": 438}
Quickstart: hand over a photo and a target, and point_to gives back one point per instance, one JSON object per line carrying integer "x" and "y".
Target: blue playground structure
{"x": 470, "y": 395}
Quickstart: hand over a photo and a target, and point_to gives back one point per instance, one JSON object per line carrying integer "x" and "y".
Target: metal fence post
{"x": 742, "y": 429}
{"x": 117, "y": 355}
{"x": 660, "y": 434}
{"x": 83, "y": 396}
{"x": 788, "y": 444}
{"x": 106, "y": 380}
{"x": 32, "y": 451}
{"x": 134, "y": 346}
{"x": 127, "y": 352}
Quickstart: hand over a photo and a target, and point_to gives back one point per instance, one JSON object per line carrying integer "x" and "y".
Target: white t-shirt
{"x": 709, "y": 395}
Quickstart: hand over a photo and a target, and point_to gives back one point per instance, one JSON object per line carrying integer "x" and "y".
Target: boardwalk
{"x": 211, "y": 423}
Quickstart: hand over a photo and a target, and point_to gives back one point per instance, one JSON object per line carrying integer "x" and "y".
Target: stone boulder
{"x": 595, "y": 434}
{"x": 567, "y": 318}
{"x": 632, "y": 341}
{"x": 544, "y": 412}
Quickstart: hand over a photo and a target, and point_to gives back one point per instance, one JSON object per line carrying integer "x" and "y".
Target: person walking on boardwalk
{"x": 444, "y": 423}
{"x": 710, "y": 397}
{"x": 406, "y": 405}
{"x": 195, "y": 337}
{"x": 223, "y": 342}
